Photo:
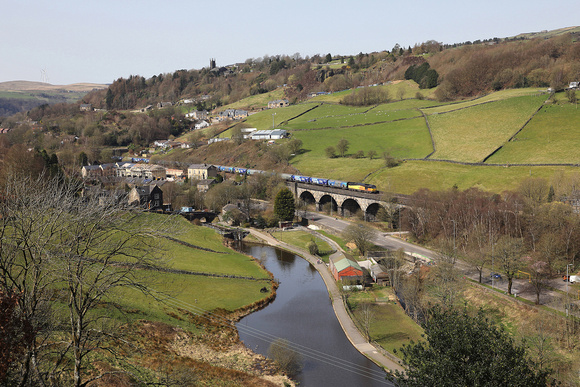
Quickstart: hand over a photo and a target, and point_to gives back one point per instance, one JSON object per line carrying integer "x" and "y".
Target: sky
{"x": 72, "y": 41}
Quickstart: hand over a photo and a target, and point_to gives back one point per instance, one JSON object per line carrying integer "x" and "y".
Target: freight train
{"x": 361, "y": 187}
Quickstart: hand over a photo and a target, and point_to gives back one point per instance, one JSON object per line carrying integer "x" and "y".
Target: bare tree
{"x": 342, "y": 147}
{"x": 288, "y": 359}
{"x": 366, "y": 315}
{"x": 361, "y": 234}
{"x": 508, "y": 251}
{"x": 81, "y": 248}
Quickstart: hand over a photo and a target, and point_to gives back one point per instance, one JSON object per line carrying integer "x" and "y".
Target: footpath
{"x": 380, "y": 357}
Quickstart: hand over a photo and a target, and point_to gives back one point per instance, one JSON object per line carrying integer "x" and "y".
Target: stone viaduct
{"x": 340, "y": 201}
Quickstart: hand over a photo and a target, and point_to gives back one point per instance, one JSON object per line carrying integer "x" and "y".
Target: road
{"x": 521, "y": 287}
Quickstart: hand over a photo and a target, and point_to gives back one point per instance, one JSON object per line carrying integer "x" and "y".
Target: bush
{"x": 312, "y": 247}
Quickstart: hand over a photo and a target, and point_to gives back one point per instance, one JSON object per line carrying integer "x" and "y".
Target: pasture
{"x": 402, "y": 139}
{"x": 553, "y": 136}
{"x": 188, "y": 290}
{"x": 301, "y": 239}
{"x": 257, "y": 101}
{"x": 472, "y": 134}
{"x": 413, "y": 175}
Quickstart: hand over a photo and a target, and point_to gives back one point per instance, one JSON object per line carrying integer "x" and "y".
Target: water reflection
{"x": 302, "y": 313}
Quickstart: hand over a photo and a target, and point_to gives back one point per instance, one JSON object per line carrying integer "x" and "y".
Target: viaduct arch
{"x": 343, "y": 202}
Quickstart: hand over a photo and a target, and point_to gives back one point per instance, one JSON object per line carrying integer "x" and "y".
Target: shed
{"x": 344, "y": 268}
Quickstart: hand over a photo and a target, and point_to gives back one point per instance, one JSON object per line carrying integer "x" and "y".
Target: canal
{"x": 303, "y": 315}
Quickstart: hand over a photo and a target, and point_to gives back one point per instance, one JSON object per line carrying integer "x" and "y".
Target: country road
{"x": 552, "y": 297}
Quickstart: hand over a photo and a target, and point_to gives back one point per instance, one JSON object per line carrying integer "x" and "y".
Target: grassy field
{"x": 263, "y": 120}
{"x": 553, "y": 136}
{"x": 408, "y": 138}
{"x": 466, "y": 131}
{"x": 356, "y": 117}
{"x": 258, "y": 101}
{"x": 390, "y": 326}
{"x": 497, "y": 96}
{"x": 301, "y": 239}
{"x": 472, "y": 134}
{"x": 413, "y": 175}
{"x": 193, "y": 291}
{"x": 396, "y": 90}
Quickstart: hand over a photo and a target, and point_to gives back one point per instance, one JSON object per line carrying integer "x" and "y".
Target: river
{"x": 303, "y": 315}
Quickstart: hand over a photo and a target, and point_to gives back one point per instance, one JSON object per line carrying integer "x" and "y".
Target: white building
{"x": 275, "y": 134}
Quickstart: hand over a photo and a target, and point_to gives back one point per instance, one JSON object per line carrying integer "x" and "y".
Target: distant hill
{"x": 19, "y": 96}
{"x": 548, "y": 34}
{"x": 40, "y": 86}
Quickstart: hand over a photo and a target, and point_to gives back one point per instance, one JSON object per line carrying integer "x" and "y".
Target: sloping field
{"x": 402, "y": 139}
{"x": 553, "y": 136}
{"x": 472, "y": 134}
{"x": 258, "y": 101}
{"x": 350, "y": 119}
{"x": 413, "y": 175}
{"x": 497, "y": 96}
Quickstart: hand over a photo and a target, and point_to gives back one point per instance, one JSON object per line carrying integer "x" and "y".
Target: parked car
{"x": 495, "y": 276}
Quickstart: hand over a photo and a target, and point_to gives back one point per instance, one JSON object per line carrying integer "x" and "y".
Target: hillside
{"x": 487, "y": 108}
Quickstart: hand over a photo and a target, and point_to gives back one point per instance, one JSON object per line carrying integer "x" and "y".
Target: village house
{"x": 197, "y": 115}
{"x": 201, "y": 125}
{"x": 148, "y": 196}
{"x": 96, "y": 171}
{"x": 278, "y": 103}
{"x": 231, "y": 114}
{"x": 205, "y": 184}
{"x": 175, "y": 174}
{"x": 166, "y": 144}
{"x": 147, "y": 171}
{"x": 201, "y": 171}
{"x": 86, "y": 107}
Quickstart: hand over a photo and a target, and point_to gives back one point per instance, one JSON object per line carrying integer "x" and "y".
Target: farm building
{"x": 278, "y": 103}
{"x": 343, "y": 268}
{"x": 275, "y": 134}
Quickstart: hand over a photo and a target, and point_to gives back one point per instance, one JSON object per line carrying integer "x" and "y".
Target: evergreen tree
{"x": 284, "y": 206}
{"x": 465, "y": 350}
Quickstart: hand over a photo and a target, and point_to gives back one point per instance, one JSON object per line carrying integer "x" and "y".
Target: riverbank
{"x": 348, "y": 326}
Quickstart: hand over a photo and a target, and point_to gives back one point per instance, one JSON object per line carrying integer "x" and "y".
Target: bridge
{"x": 340, "y": 201}
{"x": 203, "y": 216}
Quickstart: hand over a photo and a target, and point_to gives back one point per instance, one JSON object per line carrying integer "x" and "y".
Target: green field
{"x": 301, "y": 239}
{"x": 258, "y": 101}
{"x": 403, "y": 139}
{"x": 413, "y": 175}
{"x": 193, "y": 291}
{"x": 390, "y": 327}
{"x": 472, "y": 134}
{"x": 553, "y": 136}
{"x": 466, "y": 131}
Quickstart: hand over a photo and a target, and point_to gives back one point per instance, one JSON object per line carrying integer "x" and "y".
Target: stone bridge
{"x": 340, "y": 201}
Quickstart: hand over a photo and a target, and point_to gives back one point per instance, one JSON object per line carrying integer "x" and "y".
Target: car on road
{"x": 570, "y": 278}
{"x": 495, "y": 276}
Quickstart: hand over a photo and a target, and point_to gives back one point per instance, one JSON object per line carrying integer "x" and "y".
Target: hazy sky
{"x": 100, "y": 41}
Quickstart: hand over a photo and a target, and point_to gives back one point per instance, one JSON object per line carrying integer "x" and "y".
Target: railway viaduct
{"x": 340, "y": 201}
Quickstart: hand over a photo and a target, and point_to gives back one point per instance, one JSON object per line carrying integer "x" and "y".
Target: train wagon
{"x": 338, "y": 184}
{"x": 301, "y": 179}
{"x": 319, "y": 181}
